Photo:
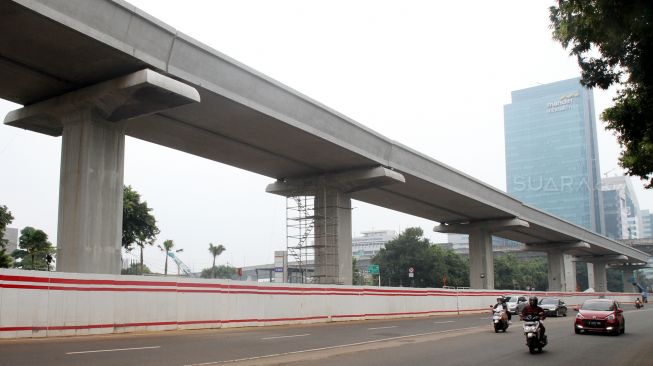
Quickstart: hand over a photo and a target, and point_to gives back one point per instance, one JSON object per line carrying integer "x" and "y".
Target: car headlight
{"x": 579, "y": 316}
{"x": 610, "y": 317}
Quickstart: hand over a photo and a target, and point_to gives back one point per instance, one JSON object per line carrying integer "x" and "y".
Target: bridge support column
{"x": 562, "y": 268}
{"x": 627, "y": 277}
{"x": 331, "y": 216}
{"x": 90, "y": 194}
{"x": 591, "y": 280}
{"x": 92, "y": 123}
{"x": 481, "y": 261}
{"x": 333, "y": 254}
{"x": 600, "y": 277}
{"x": 557, "y": 273}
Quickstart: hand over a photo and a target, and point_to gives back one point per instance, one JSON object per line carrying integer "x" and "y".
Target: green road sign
{"x": 373, "y": 269}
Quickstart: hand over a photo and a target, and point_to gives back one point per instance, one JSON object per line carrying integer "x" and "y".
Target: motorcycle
{"x": 499, "y": 320}
{"x": 638, "y": 304}
{"x": 532, "y": 328}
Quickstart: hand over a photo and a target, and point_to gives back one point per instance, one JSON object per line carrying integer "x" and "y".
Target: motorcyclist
{"x": 638, "y": 303}
{"x": 533, "y": 309}
{"x": 501, "y": 302}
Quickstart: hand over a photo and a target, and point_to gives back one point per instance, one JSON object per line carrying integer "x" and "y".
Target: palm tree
{"x": 167, "y": 247}
{"x": 216, "y": 250}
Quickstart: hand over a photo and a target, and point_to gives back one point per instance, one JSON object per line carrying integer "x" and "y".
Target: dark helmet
{"x": 503, "y": 299}
{"x": 532, "y": 301}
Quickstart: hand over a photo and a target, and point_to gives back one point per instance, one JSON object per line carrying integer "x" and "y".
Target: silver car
{"x": 516, "y": 303}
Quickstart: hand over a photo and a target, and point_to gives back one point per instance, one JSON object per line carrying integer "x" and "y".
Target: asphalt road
{"x": 465, "y": 340}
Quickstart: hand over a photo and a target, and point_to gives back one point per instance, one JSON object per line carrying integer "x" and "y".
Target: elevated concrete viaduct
{"x": 67, "y": 61}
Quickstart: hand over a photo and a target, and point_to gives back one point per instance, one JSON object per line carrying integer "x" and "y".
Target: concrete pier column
{"x": 331, "y": 216}
{"x": 628, "y": 279}
{"x": 556, "y": 272}
{"x": 591, "y": 281}
{"x": 481, "y": 261}
{"x": 600, "y": 277}
{"x": 92, "y": 124}
{"x": 561, "y": 271}
{"x": 570, "y": 273}
{"x": 333, "y": 255}
{"x": 90, "y": 194}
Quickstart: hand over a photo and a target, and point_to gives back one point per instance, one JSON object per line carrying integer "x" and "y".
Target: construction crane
{"x": 181, "y": 265}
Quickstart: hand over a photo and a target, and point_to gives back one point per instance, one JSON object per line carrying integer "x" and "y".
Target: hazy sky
{"x": 432, "y": 75}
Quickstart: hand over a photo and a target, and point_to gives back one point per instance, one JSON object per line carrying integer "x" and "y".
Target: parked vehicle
{"x": 534, "y": 339}
{"x": 553, "y": 306}
{"x": 516, "y": 303}
{"x": 499, "y": 320}
{"x": 600, "y": 315}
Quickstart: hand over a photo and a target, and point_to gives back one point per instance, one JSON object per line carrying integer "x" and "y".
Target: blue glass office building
{"x": 551, "y": 152}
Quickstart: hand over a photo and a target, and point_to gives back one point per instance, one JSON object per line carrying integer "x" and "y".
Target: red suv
{"x": 600, "y": 315}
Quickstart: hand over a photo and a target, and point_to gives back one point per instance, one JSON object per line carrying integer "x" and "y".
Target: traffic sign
{"x": 373, "y": 269}
{"x": 411, "y": 270}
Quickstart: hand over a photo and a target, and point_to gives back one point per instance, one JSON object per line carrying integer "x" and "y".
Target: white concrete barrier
{"x": 44, "y": 304}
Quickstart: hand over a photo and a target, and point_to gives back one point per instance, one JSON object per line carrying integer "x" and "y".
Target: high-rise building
{"x": 551, "y": 152}
{"x": 11, "y": 235}
{"x": 622, "y": 215}
{"x": 647, "y": 224}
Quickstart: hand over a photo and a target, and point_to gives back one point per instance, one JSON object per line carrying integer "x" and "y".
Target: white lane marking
{"x": 288, "y": 336}
{"x": 111, "y": 350}
{"x": 328, "y": 348}
{"x": 393, "y": 326}
{"x": 444, "y": 322}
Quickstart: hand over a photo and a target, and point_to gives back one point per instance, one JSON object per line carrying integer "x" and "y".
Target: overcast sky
{"x": 432, "y": 75}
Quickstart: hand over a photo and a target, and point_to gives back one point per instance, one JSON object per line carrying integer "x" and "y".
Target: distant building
{"x": 11, "y": 235}
{"x": 622, "y": 215}
{"x": 551, "y": 152}
{"x": 647, "y": 224}
{"x": 370, "y": 243}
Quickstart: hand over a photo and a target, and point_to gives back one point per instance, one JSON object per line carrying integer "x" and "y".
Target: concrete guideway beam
{"x": 332, "y": 202}
{"x": 92, "y": 124}
{"x": 481, "y": 260}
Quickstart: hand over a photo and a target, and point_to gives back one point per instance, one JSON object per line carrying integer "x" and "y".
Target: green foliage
{"x": 33, "y": 247}
{"x": 135, "y": 269}
{"x": 615, "y": 280}
{"x": 223, "y": 271}
{"x": 582, "y": 282}
{"x": 613, "y": 43}
{"x": 216, "y": 250}
{"x": 519, "y": 274}
{"x": 5, "y": 219}
{"x": 431, "y": 263}
{"x": 357, "y": 276}
{"x": 138, "y": 225}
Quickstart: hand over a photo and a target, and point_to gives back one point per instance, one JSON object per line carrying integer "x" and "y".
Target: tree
{"x": 357, "y": 277}
{"x": 215, "y": 251}
{"x": 138, "y": 225}
{"x": 224, "y": 271}
{"x": 432, "y": 264}
{"x": 613, "y": 43}
{"x": 5, "y": 219}
{"x": 34, "y": 249}
{"x": 167, "y": 248}
{"x": 511, "y": 272}
{"x": 135, "y": 269}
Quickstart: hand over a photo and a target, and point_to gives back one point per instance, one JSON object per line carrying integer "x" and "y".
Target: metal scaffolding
{"x": 311, "y": 232}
